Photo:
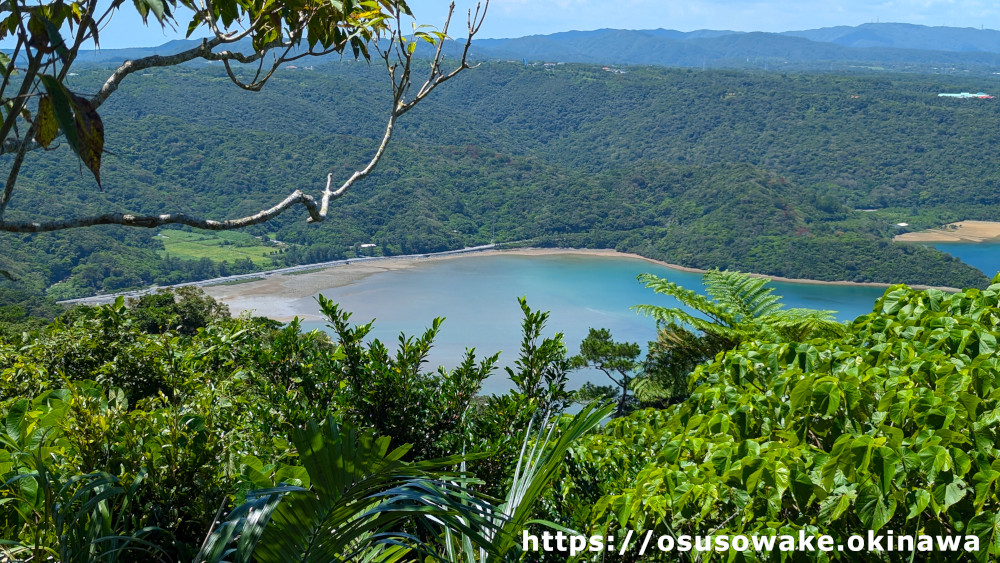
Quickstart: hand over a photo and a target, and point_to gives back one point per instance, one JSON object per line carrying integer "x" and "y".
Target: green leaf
{"x": 781, "y": 476}
{"x": 917, "y": 501}
{"x": 62, "y": 106}
{"x": 55, "y": 39}
{"x": 874, "y": 509}
{"x": 883, "y": 467}
{"x": 827, "y": 396}
{"x": 752, "y": 471}
{"x": 894, "y": 436}
{"x": 983, "y": 483}
{"x": 802, "y": 393}
{"x": 893, "y": 301}
{"x": 953, "y": 492}
{"x": 802, "y": 488}
{"x": 292, "y": 474}
{"x": 834, "y": 506}
{"x": 933, "y": 460}
{"x": 15, "y": 422}
{"x": 158, "y": 7}
{"x": 90, "y": 130}
{"x": 987, "y": 342}
{"x": 987, "y": 527}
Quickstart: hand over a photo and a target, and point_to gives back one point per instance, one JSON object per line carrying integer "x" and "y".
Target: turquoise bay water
{"x": 478, "y": 297}
{"x": 982, "y": 255}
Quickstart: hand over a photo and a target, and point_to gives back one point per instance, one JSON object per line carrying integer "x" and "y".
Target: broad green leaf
{"x": 949, "y": 494}
{"x": 917, "y": 502}
{"x": 986, "y": 526}
{"x": 90, "y": 130}
{"x": 883, "y": 468}
{"x": 873, "y": 509}
{"x": 983, "y": 483}
{"x": 781, "y": 476}
{"x": 934, "y": 459}
{"x": 62, "y": 107}
{"x": 802, "y": 488}
{"x": 16, "y": 423}
{"x": 827, "y": 397}
{"x": 802, "y": 393}
{"x": 987, "y": 343}
{"x": 834, "y": 506}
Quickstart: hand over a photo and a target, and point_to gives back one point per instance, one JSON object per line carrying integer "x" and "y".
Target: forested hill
{"x": 755, "y": 171}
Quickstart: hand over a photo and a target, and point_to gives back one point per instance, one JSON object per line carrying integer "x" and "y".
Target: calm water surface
{"x": 982, "y": 255}
{"x": 477, "y": 295}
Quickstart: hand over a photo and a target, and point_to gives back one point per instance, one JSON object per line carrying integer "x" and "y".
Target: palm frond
{"x": 361, "y": 494}
{"x": 246, "y": 522}
{"x": 534, "y": 472}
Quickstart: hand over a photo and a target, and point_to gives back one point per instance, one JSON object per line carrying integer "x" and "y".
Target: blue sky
{"x": 515, "y": 18}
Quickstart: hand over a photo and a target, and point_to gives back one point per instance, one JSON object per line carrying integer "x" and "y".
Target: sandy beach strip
{"x": 962, "y": 231}
{"x": 282, "y": 296}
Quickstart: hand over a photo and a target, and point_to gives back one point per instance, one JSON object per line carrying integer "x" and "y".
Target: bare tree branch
{"x": 400, "y": 79}
{"x": 295, "y": 198}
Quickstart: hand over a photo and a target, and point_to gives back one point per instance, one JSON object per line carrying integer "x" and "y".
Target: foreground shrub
{"x": 893, "y": 426}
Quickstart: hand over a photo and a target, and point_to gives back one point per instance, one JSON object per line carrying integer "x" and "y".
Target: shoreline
{"x": 961, "y": 231}
{"x": 281, "y": 296}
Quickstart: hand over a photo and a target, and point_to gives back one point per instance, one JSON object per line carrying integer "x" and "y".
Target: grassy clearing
{"x": 242, "y": 281}
{"x": 300, "y": 272}
{"x": 225, "y": 245}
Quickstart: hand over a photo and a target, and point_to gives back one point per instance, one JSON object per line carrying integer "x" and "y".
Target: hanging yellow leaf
{"x": 48, "y": 126}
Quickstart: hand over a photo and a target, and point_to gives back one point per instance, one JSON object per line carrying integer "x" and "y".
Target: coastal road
{"x": 110, "y": 297}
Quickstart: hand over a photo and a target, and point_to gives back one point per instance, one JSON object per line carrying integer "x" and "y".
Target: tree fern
{"x": 739, "y": 307}
{"x": 745, "y": 297}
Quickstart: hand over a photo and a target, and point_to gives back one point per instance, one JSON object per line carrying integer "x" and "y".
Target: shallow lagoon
{"x": 478, "y": 297}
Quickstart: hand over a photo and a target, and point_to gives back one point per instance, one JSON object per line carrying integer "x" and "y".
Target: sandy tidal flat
{"x": 282, "y": 297}
{"x": 963, "y": 231}
{"x": 285, "y": 296}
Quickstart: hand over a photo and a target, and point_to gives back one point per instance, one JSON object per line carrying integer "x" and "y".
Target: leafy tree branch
{"x": 50, "y": 110}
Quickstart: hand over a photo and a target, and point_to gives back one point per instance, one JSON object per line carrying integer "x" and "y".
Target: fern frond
{"x": 667, "y": 315}
{"x": 747, "y": 296}
{"x": 648, "y": 390}
{"x": 803, "y": 324}
{"x": 687, "y": 297}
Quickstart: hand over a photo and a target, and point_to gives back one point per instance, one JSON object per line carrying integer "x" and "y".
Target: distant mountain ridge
{"x": 877, "y": 45}
{"x": 907, "y": 36}
{"x": 893, "y": 44}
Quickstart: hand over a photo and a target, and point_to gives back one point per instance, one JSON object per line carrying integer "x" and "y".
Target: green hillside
{"x": 756, "y": 171}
